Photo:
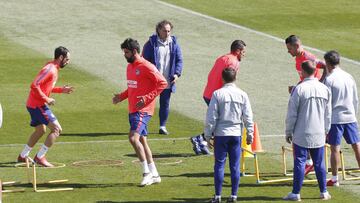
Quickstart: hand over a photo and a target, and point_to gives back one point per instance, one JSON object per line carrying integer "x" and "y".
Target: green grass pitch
{"x": 95, "y": 129}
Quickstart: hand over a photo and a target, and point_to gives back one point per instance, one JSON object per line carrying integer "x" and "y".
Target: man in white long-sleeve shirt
{"x": 345, "y": 104}
{"x": 229, "y": 110}
{"x": 307, "y": 121}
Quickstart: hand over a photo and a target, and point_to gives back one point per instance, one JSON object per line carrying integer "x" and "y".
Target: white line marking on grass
{"x": 245, "y": 28}
{"x": 119, "y": 141}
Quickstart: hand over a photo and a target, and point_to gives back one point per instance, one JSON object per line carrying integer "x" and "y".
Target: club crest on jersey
{"x": 137, "y": 72}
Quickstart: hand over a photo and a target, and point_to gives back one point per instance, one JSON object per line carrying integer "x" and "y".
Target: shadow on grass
{"x": 182, "y": 200}
{"x": 76, "y": 185}
{"x": 194, "y": 200}
{"x": 166, "y": 155}
{"x": 92, "y": 134}
{"x": 191, "y": 175}
{"x": 10, "y": 164}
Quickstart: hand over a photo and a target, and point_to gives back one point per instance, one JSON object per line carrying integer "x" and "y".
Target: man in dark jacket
{"x": 164, "y": 52}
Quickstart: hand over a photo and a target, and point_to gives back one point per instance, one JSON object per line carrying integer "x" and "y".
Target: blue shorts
{"x": 348, "y": 130}
{"x": 138, "y": 122}
{"x": 41, "y": 115}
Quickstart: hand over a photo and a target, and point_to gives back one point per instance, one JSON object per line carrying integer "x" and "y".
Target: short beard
{"x": 62, "y": 65}
{"x": 131, "y": 59}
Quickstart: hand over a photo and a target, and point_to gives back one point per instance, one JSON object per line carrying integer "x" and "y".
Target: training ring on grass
{"x": 98, "y": 163}
{"x": 56, "y": 165}
{"x": 162, "y": 161}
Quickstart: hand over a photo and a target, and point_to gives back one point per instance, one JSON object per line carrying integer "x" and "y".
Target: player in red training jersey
{"x": 38, "y": 104}
{"x": 144, "y": 84}
{"x": 295, "y": 49}
{"x": 215, "y": 82}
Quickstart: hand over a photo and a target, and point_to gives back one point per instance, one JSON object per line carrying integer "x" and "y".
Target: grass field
{"x": 322, "y": 24}
{"x": 94, "y": 129}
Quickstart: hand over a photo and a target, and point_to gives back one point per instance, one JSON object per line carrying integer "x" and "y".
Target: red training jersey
{"x": 143, "y": 80}
{"x": 43, "y": 85}
{"x": 214, "y": 81}
{"x": 304, "y": 56}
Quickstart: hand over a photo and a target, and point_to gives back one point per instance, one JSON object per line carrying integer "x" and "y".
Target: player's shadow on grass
{"x": 92, "y": 134}
{"x": 10, "y": 164}
{"x": 180, "y": 200}
{"x": 191, "y": 175}
{"x": 166, "y": 155}
{"x": 77, "y": 185}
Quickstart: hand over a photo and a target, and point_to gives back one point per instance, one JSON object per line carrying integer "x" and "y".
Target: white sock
{"x": 162, "y": 127}
{"x": 145, "y": 167}
{"x": 335, "y": 178}
{"x": 309, "y": 162}
{"x": 153, "y": 169}
{"x": 233, "y": 196}
{"x": 42, "y": 151}
{"x": 26, "y": 151}
{"x": 217, "y": 196}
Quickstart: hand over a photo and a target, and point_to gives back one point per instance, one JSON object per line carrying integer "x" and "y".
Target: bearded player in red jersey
{"x": 38, "y": 104}
{"x": 144, "y": 84}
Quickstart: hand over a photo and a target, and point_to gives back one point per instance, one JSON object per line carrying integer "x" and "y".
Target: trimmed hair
{"x": 60, "y": 51}
{"x": 237, "y": 44}
{"x": 228, "y": 75}
{"x": 292, "y": 39}
{"x": 332, "y": 57}
{"x": 162, "y": 24}
{"x": 309, "y": 67}
{"x": 131, "y": 44}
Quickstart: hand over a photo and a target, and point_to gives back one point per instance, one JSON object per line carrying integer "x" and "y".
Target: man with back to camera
{"x": 38, "y": 104}
{"x": 296, "y": 49}
{"x": 215, "y": 82}
{"x": 307, "y": 121}
{"x": 163, "y": 50}
{"x": 144, "y": 84}
{"x": 345, "y": 105}
{"x": 229, "y": 110}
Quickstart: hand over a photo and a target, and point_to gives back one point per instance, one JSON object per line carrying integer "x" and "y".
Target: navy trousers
{"x": 224, "y": 145}
{"x": 164, "y": 106}
{"x": 300, "y": 155}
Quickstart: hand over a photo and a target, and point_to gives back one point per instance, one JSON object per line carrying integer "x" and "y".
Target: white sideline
{"x": 246, "y": 28}
{"x": 119, "y": 141}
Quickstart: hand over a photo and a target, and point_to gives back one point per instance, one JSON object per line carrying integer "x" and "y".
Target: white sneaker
{"x": 156, "y": 179}
{"x": 147, "y": 179}
{"x": 292, "y": 197}
{"x": 325, "y": 196}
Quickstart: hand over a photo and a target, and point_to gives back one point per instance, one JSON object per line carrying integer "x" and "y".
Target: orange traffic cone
{"x": 256, "y": 145}
{"x": 245, "y": 146}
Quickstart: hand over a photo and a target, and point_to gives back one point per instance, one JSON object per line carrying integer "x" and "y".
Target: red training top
{"x": 214, "y": 81}
{"x": 43, "y": 85}
{"x": 304, "y": 56}
{"x": 143, "y": 80}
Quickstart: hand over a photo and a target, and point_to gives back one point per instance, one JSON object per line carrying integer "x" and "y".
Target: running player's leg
{"x": 150, "y": 160}
{"x": 138, "y": 125}
{"x": 39, "y": 120}
{"x": 55, "y": 130}
{"x": 39, "y": 131}
{"x": 134, "y": 139}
